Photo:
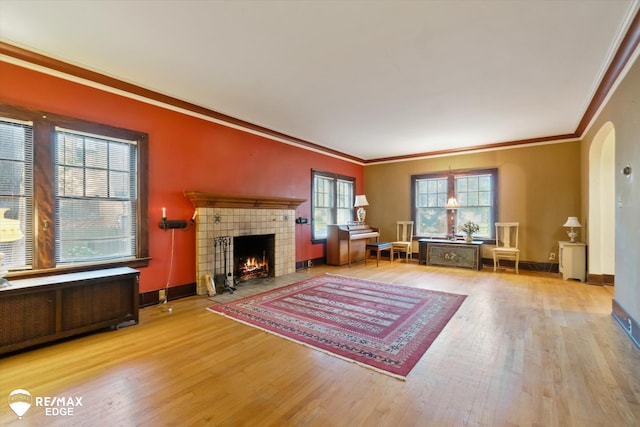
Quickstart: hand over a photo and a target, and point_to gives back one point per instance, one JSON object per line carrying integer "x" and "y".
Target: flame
{"x": 252, "y": 264}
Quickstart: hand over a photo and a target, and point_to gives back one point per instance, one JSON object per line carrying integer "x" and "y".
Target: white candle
{"x": 195, "y": 214}
{"x": 164, "y": 212}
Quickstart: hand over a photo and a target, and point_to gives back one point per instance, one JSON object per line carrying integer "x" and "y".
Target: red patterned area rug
{"x": 381, "y": 326}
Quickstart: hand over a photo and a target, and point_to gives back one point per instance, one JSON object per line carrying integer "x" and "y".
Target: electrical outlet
{"x": 552, "y": 256}
{"x": 309, "y": 263}
{"x": 630, "y": 327}
{"x": 162, "y": 293}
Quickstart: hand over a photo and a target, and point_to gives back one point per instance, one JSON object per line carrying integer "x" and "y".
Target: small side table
{"x": 378, "y": 247}
{"x": 573, "y": 260}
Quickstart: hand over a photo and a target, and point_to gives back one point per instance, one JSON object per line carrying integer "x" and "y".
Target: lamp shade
{"x": 361, "y": 200}
{"x": 452, "y": 203}
{"x": 9, "y": 228}
{"x": 572, "y": 221}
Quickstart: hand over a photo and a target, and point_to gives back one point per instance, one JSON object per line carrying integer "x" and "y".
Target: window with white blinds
{"x": 77, "y": 191}
{"x": 95, "y": 196}
{"x": 16, "y": 193}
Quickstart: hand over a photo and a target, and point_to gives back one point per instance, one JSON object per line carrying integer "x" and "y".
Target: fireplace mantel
{"x": 217, "y": 200}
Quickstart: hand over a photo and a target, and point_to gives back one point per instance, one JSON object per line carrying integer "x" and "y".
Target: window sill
{"x": 133, "y": 263}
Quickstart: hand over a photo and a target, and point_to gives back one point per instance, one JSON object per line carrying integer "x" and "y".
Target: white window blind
{"x": 96, "y": 181}
{"x": 16, "y": 191}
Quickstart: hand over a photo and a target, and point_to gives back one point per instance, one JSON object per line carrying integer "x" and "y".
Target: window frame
{"x": 44, "y": 192}
{"x": 334, "y": 209}
{"x": 451, "y": 217}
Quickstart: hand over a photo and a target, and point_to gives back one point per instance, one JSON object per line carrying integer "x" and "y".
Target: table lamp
{"x": 452, "y": 205}
{"x": 572, "y": 222}
{"x": 361, "y": 200}
{"x": 9, "y": 232}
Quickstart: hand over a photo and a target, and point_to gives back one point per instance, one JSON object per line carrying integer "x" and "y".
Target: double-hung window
{"x": 475, "y": 192}
{"x": 16, "y": 193}
{"x": 333, "y": 198}
{"x": 79, "y": 186}
{"x": 96, "y": 192}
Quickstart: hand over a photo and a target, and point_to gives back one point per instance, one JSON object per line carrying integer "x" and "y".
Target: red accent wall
{"x": 185, "y": 153}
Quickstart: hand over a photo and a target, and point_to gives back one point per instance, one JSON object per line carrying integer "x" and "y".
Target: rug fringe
{"x": 364, "y": 365}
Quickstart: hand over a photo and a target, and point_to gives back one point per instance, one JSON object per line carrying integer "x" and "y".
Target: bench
{"x": 378, "y": 247}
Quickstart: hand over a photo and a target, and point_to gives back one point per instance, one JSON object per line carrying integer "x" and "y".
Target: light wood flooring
{"x": 522, "y": 350}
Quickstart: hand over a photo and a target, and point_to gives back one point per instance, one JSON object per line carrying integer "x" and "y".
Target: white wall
{"x": 601, "y": 222}
{"x": 623, "y": 111}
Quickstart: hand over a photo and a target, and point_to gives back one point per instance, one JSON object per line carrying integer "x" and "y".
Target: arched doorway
{"x": 602, "y": 202}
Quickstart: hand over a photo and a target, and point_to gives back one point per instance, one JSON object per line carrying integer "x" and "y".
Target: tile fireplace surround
{"x": 240, "y": 215}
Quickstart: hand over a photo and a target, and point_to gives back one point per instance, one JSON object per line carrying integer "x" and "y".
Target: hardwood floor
{"x": 522, "y": 350}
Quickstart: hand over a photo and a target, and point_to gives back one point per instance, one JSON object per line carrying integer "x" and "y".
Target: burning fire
{"x": 251, "y": 267}
{"x": 253, "y": 264}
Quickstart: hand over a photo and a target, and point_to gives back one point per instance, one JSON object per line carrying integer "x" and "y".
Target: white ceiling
{"x": 371, "y": 79}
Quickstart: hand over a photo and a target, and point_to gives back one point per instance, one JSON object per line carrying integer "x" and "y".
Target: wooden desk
{"x": 450, "y": 253}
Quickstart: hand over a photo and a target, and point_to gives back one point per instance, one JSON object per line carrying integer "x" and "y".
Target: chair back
{"x": 404, "y": 231}
{"x": 507, "y": 235}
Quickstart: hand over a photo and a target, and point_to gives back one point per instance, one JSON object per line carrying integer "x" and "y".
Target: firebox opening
{"x": 253, "y": 257}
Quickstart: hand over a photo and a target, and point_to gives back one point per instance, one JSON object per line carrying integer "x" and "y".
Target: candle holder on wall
{"x": 170, "y": 224}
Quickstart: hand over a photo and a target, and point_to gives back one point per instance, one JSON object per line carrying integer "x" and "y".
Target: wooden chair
{"x": 403, "y": 243}
{"x": 506, "y": 244}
